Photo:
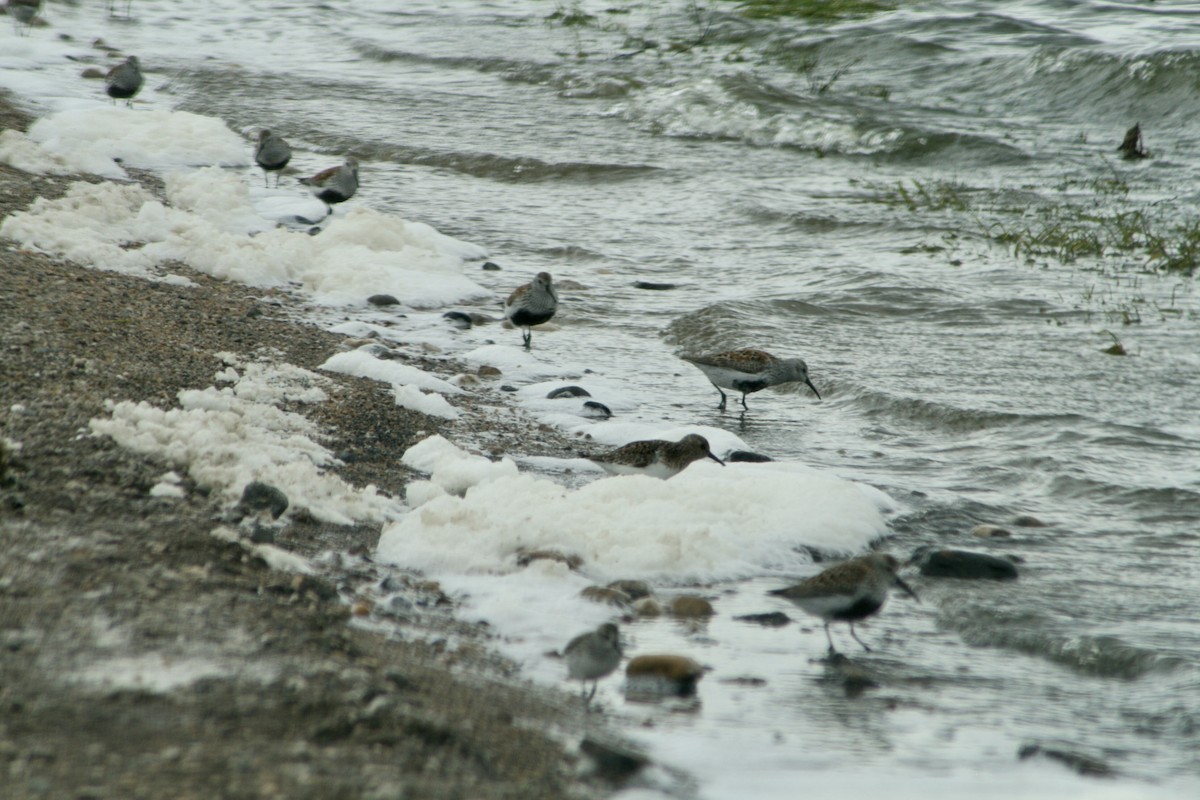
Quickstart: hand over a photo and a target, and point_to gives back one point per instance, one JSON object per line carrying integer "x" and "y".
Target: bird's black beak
{"x": 907, "y": 588}
{"x": 810, "y": 385}
{"x": 714, "y": 458}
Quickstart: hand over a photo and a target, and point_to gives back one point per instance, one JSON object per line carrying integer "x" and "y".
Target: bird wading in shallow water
{"x": 272, "y": 153}
{"x": 848, "y": 592}
{"x": 334, "y": 185}
{"x": 657, "y": 458}
{"x": 592, "y": 656}
{"x": 23, "y": 13}
{"x": 750, "y": 370}
{"x": 124, "y": 81}
{"x": 531, "y": 304}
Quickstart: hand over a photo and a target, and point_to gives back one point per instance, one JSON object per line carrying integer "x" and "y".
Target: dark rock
{"x": 458, "y": 319}
{"x": 963, "y": 564}
{"x": 603, "y": 594}
{"x": 747, "y": 456}
{"x": 508, "y": 387}
{"x": 773, "y": 619}
{"x": 527, "y": 557}
{"x": 383, "y": 300}
{"x": 490, "y": 266}
{"x": 488, "y": 371}
{"x": 652, "y": 286}
{"x": 259, "y": 496}
{"x": 691, "y": 606}
{"x": 568, "y": 391}
{"x": 262, "y": 534}
{"x": 1029, "y": 521}
{"x": 635, "y": 589}
{"x": 1084, "y": 765}
{"x": 612, "y": 763}
{"x": 598, "y": 410}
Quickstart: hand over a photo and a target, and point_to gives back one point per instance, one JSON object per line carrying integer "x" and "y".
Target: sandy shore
{"x": 98, "y": 579}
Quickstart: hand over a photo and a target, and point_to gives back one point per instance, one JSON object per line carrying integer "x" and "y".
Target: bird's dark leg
{"x": 266, "y": 177}
{"x": 860, "y": 641}
{"x": 723, "y": 398}
{"x": 829, "y": 639}
{"x": 744, "y": 402}
{"x": 527, "y": 337}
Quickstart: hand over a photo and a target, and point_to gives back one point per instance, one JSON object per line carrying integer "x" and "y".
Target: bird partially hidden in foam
{"x": 124, "y": 81}
{"x": 847, "y": 592}
{"x": 592, "y": 656}
{"x": 531, "y": 304}
{"x": 334, "y": 185}
{"x": 272, "y": 153}
{"x": 750, "y": 370}
{"x": 657, "y": 458}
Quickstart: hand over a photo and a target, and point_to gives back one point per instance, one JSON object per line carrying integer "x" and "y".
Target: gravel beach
{"x": 272, "y": 684}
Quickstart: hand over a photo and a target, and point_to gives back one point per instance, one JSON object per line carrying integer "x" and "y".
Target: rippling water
{"x": 757, "y": 165}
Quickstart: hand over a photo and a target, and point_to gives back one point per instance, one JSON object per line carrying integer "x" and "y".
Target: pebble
{"x": 662, "y": 674}
{"x": 527, "y": 557}
{"x": 487, "y": 371}
{"x": 490, "y": 266}
{"x": 383, "y": 300}
{"x": 773, "y": 619}
{"x": 990, "y": 532}
{"x": 691, "y": 606}
{"x": 458, "y": 319}
{"x": 1029, "y": 521}
{"x": 635, "y": 589}
{"x": 647, "y": 607}
{"x": 602, "y": 594}
{"x": 653, "y": 286}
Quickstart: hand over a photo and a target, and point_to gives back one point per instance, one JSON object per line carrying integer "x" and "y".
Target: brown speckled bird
{"x": 847, "y": 592}
{"x": 657, "y": 458}
{"x": 750, "y": 370}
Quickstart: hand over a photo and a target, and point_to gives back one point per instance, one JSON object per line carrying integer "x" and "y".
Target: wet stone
{"x": 568, "y": 391}
{"x": 635, "y": 589}
{"x": 383, "y": 300}
{"x": 963, "y": 564}
{"x": 596, "y": 410}
{"x": 259, "y": 496}
{"x": 458, "y": 319}
{"x": 490, "y": 266}
{"x": 990, "y": 532}
{"x": 610, "y": 762}
{"x": 748, "y": 457}
{"x": 653, "y": 286}
{"x": 690, "y": 606}
{"x": 773, "y": 619}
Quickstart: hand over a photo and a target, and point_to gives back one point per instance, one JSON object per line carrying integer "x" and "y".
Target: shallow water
{"x": 754, "y": 164}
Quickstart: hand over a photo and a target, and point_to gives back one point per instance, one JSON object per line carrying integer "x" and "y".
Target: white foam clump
{"x": 226, "y": 438}
{"x": 210, "y": 225}
{"x": 707, "y": 523}
{"x": 93, "y": 140}
{"x": 361, "y": 364}
{"x": 434, "y": 405}
{"x": 451, "y": 469}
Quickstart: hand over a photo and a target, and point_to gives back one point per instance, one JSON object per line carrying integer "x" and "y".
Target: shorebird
{"x": 847, "y": 592}
{"x": 750, "y": 370}
{"x": 531, "y": 304}
{"x": 23, "y": 13}
{"x": 124, "y": 81}
{"x": 272, "y": 153}
{"x": 655, "y": 457}
{"x": 334, "y": 185}
{"x": 592, "y": 656}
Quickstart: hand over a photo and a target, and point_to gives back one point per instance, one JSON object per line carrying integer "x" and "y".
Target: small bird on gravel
{"x": 272, "y": 154}
{"x": 592, "y": 656}
{"x": 531, "y": 304}
{"x": 124, "y": 81}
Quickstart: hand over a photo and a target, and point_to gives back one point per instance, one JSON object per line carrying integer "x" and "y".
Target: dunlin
{"x": 592, "y": 656}
{"x": 334, "y": 185}
{"x": 124, "y": 80}
{"x": 750, "y": 370}
{"x": 847, "y": 592}
{"x": 272, "y": 153}
{"x": 657, "y": 458}
{"x": 531, "y": 304}
{"x": 23, "y": 13}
